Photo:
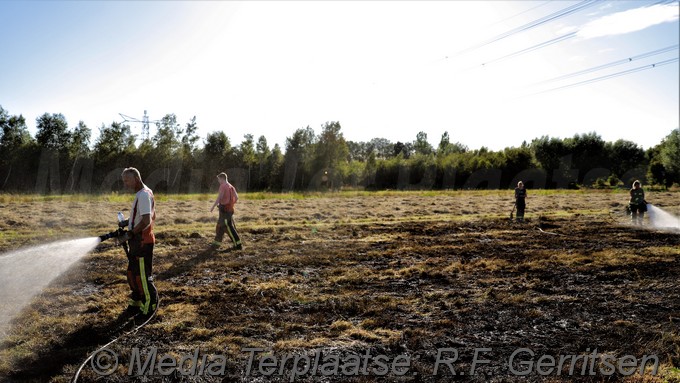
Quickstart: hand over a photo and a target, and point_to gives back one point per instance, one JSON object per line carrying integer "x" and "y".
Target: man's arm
{"x": 142, "y": 225}
{"x": 217, "y": 201}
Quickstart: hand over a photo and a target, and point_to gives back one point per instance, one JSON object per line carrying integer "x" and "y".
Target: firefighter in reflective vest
{"x": 637, "y": 204}
{"x": 520, "y": 200}
{"x": 141, "y": 240}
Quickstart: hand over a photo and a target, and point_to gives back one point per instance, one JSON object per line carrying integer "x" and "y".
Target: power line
{"x": 500, "y": 22}
{"x": 559, "y": 14}
{"x": 522, "y": 28}
{"x": 518, "y": 14}
{"x": 534, "y": 47}
{"x": 606, "y": 77}
{"x": 556, "y": 40}
{"x": 535, "y": 23}
{"x": 611, "y": 64}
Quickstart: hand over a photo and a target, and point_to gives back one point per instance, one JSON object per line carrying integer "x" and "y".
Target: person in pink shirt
{"x": 226, "y": 199}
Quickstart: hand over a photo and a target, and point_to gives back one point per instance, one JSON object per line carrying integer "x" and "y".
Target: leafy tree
{"x": 79, "y": 141}
{"x": 331, "y": 148}
{"x": 624, "y": 156}
{"x": 246, "y": 153}
{"x": 275, "y": 169}
{"x": 404, "y": 149}
{"x": 299, "y": 149}
{"x": 669, "y": 155}
{"x": 262, "y": 148}
{"x": 588, "y": 152}
{"x": 331, "y": 155}
{"x": 388, "y": 170}
{"x": 53, "y": 138}
{"x": 445, "y": 146}
{"x": 421, "y": 146}
{"x": 113, "y": 141}
{"x": 370, "y": 170}
{"x": 262, "y": 153}
{"x": 81, "y": 165}
{"x": 217, "y": 152}
{"x": 656, "y": 172}
{"x": 354, "y": 173}
{"x": 161, "y": 160}
{"x": 52, "y": 132}
{"x": 217, "y": 145}
{"x": 514, "y": 162}
{"x": 421, "y": 171}
{"x": 358, "y": 151}
{"x": 187, "y": 157}
{"x": 13, "y": 133}
{"x": 549, "y": 152}
{"x": 17, "y": 152}
{"x": 189, "y": 138}
{"x": 383, "y": 148}
{"x": 4, "y": 116}
{"x": 168, "y": 135}
{"x": 112, "y": 149}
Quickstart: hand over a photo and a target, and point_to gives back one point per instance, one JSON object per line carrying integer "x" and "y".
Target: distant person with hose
{"x": 141, "y": 240}
{"x": 637, "y": 203}
{"x": 520, "y": 200}
{"x": 226, "y": 199}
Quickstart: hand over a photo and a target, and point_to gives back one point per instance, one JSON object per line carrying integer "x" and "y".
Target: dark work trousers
{"x": 225, "y": 223}
{"x": 521, "y": 205}
{"x": 637, "y": 212}
{"x": 140, "y": 260}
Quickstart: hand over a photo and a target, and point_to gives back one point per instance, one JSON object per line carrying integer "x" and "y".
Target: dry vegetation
{"x": 389, "y": 273}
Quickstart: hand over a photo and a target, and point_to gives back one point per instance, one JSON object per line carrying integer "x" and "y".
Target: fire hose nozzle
{"x": 114, "y": 234}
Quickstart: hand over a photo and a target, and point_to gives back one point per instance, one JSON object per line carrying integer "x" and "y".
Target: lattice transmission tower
{"x": 144, "y": 121}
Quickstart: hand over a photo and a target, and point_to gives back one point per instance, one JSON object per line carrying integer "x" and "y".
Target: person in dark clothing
{"x": 520, "y": 200}
{"x": 637, "y": 203}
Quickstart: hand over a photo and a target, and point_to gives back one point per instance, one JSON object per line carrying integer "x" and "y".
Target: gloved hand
{"x": 122, "y": 236}
{"x": 124, "y": 223}
{"x": 129, "y": 235}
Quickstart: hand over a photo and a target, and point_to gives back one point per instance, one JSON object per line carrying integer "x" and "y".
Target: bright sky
{"x": 382, "y": 69}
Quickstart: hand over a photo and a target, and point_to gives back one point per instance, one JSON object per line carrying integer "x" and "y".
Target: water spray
{"x": 25, "y": 273}
{"x": 661, "y": 219}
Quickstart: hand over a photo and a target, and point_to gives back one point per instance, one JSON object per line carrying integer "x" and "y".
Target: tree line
{"x": 61, "y": 159}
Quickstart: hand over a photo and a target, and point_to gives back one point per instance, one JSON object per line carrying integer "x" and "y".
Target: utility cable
{"x": 522, "y": 28}
{"x": 611, "y": 64}
{"x": 535, "y": 47}
{"x": 518, "y": 14}
{"x": 606, "y": 77}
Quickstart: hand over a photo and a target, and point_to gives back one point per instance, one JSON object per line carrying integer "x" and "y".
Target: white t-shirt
{"x": 144, "y": 206}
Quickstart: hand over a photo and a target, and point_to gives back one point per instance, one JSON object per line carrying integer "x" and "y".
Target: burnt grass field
{"x": 346, "y": 276}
